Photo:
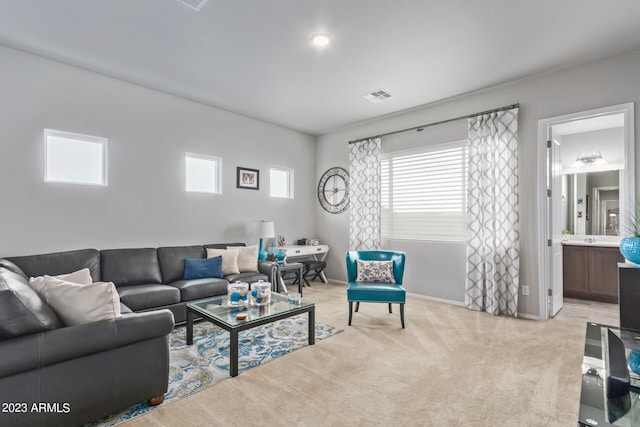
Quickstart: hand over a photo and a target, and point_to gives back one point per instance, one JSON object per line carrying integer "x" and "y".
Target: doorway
{"x": 554, "y": 202}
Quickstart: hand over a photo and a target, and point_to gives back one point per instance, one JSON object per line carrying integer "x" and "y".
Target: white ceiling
{"x": 254, "y": 56}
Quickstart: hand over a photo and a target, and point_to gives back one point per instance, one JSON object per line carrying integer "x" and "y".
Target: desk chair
{"x": 375, "y": 281}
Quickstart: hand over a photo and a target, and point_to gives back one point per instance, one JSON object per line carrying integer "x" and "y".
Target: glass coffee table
{"x": 595, "y": 408}
{"x": 216, "y": 311}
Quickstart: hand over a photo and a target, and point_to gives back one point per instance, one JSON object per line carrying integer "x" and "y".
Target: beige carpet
{"x": 449, "y": 367}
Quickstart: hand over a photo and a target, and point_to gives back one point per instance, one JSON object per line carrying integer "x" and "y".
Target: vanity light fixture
{"x": 320, "y": 39}
{"x": 594, "y": 158}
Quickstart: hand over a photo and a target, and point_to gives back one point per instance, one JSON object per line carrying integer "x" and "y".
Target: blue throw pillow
{"x": 203, "y": 268}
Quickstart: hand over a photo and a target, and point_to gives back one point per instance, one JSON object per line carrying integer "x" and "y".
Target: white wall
{"x": 438, "y": 270}
{"x": 610, "y": 143}
{"x": 149, "y": 132}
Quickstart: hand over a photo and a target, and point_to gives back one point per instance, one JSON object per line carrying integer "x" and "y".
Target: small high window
{"x": 74, "y": 158}
{"x": 281, "y": 182}
{"x": 203, "y": 173}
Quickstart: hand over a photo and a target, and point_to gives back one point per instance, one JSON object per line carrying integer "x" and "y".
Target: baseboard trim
{"x": 442, "y": 300}
{"x": 446, "y": 301}
{"x": 529, "y": 316}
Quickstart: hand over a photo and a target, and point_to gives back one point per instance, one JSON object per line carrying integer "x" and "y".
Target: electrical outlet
{"x": 525, "y": 290}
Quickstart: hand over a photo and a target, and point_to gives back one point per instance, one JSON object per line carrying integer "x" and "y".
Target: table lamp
{"x": 265, "y": 230}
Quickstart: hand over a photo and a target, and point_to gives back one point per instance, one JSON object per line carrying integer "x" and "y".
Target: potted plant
{"x": 630, "y": 245}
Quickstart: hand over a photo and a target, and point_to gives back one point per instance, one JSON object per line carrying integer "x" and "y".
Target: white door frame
{"x": 627, "y": 189}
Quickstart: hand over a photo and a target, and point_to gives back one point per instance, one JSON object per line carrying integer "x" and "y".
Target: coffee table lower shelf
{"x": 224, "y": 320}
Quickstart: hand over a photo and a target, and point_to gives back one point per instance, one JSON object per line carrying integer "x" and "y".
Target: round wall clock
{"x": 333, "y": 190}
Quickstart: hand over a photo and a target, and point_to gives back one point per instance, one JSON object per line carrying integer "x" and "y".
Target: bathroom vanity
{"x": 590, "y": 270}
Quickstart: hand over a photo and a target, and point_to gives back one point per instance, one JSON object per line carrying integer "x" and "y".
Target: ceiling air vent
{"x": 377, "y": 95}
{"x": 194, "y": 4}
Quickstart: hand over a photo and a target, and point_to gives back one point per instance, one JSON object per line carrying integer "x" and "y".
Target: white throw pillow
{"x": 229, "y": 260}
{"x": 247, "y": 258}
{"x": 77, "y": 304}
{"x": 81, "y": 277}
{"x": 375, "y": 271}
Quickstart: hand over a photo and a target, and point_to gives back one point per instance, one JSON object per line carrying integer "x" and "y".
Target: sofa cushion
{"x": 203, "y": 268}
{"x": 200, "y": 288}
{"x": 140, "y": 297}
{"x": 60, "y": 263}
{"x": 376, "y": 292}
{"x": 130, "y": 266}
{"x": 77, "y": 304}
{"x": 22, "y": 311}
{"x": 172, "y": 258}
{"x": 229, "y": 259}
{"x": 81, "y": 277}
{"x": 247, "y": 258}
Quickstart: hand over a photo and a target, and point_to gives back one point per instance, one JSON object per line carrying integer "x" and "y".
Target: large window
{"x": 203, "y": 173}
{"x": 424, "y": 193}
{"x": 73, "y": 158}
{"x": 281, "y": 182}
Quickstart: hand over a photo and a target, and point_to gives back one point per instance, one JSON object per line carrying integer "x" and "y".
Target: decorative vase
{"x": 630, "y": 249}
{"x": 633, "y": 361}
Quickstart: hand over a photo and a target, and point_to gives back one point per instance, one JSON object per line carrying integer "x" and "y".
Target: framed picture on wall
{"x": 248, "y": 178}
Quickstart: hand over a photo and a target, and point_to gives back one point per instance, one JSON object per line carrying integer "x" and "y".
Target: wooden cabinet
{"x": 591, "y": 272}
{"x": 575, "y": 274}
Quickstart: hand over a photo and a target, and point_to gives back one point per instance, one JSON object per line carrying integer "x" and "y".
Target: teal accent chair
{"x": 389, "y": 293}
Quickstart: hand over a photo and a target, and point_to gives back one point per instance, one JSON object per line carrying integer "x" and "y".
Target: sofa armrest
{"x": 46, "y": 348}
{"x": 269, "y": 269}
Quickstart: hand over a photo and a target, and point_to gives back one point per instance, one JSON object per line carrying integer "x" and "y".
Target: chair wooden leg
{"x": 350, "y": 311}
{"x": 155, "y": 401}
{"x": 402, "y": 315}
{"x": 390, "y": 311}
{"x": 357, "y": 306}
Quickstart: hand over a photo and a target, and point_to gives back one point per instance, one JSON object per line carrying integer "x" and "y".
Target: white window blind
{"x": 424, "y": 193}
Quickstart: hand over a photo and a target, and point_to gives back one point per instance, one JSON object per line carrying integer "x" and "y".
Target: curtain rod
{"x": 419, "y": 128}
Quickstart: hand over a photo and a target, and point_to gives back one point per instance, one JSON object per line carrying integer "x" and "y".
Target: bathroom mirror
{"x": 591, "y": 203}
{"x": 593, "y": 172}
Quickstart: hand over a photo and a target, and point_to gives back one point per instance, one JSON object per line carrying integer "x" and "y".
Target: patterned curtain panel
{"x": 493, "y": 235}
{"x": 364, "y": 209}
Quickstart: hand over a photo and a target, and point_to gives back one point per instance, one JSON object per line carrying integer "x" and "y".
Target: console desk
{"x": 297, "y": 253}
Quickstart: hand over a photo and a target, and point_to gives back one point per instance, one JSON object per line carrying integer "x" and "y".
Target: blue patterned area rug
{"x": 203, "y": 364}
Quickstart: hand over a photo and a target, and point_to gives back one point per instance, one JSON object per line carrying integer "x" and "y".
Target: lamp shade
{"x": 265, "y": 229}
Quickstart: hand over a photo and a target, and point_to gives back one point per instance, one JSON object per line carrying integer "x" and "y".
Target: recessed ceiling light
{"x": 320, "y": 39}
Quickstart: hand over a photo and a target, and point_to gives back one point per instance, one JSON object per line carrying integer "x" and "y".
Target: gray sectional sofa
{"x": 85, "y": 372}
